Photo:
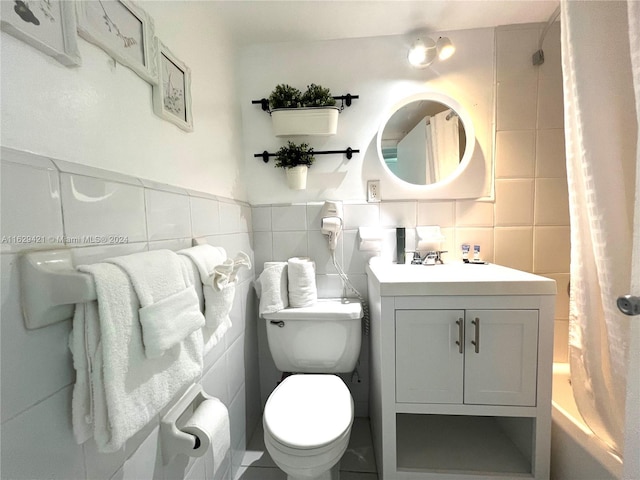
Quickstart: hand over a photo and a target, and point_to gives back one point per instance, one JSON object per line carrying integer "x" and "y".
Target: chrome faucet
{"x": 431, "y": 258}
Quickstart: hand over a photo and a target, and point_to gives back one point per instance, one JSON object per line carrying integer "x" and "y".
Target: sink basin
{"x": 456, "y": 278}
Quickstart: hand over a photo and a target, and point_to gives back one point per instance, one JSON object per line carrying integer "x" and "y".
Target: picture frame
{"x": 123, "y": 30}
{"x": 49, "y": 26}
{"x": 172, "y": 93}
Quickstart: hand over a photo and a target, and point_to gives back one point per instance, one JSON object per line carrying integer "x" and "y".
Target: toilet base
{"x": 333, "y": 474}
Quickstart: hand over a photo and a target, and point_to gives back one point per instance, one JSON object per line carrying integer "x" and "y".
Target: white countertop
{"x": 456, "y": 279}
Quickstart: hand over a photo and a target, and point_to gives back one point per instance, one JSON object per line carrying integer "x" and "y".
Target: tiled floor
{"x": 358, "y": 462}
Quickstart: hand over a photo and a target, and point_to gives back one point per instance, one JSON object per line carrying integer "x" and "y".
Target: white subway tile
{"x": 361, "y": 215}
{"x": 146, "y": 461}
{"x": 261, "y": 217}
{"x": 35, "y": 363}
{"x": 45, "y": 429}
{"x": 314, "y": 218}
{"x": 235, "y": 366}
{"x": 515, "y": 154}
{"x": 550, "y": 154}
{"x": 514, "y": 247}
{"x": 216, "y": 380}
{"x": 31, "y": 215}
{"x": 289, "y": 244}
{"x": 230, "y": 217}
{"x": 262, "y": 249}
{"x": 514, "y": 202}
{"x": 168, "y": 215}
{"x": 551, "y": 249}
{"x": 97, "y": 211}
{"x": 552, "y": 201}
{"x": 514, "y": 47}
{"x": 205, "y": 216}
{"x": 398, "y": 214}
{"x": 442, "y": 214}
{"x": 470, "y": 213}
{"x": 517, "y": 103}
{"x": 289, "y": 218}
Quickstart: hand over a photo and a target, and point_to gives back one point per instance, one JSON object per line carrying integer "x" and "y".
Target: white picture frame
{"x": 172, "y": 93}
{"x": 49, "y": 26}
{"x": 123, "y": 30}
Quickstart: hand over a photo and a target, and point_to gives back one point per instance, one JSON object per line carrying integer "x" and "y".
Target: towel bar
{"x": 50, "y": 286}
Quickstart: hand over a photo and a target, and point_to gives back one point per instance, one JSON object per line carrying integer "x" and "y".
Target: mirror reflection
{"x": 423, "y": 142}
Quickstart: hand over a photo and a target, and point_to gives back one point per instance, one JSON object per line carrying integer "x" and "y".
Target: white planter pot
{"x": 297, "y": 177}
{"x": 305, "y": 121}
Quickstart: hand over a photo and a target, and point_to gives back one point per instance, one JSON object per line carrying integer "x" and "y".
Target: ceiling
{"x": 253, "y": 22}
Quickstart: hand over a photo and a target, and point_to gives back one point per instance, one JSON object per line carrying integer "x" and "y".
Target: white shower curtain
{"x": 601, "y": 131}
{"x": 445, "y": 143}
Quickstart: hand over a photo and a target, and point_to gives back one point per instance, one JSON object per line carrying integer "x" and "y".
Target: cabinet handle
{"x": 460, "y": 342}
{"x": 476, "y": 342}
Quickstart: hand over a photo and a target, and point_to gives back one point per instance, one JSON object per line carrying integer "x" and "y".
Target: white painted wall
{"x": 375, "y": 69}
{"x": 100, "y": 114}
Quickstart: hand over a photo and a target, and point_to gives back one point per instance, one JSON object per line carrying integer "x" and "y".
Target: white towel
{"x": 217, "y": 303}
{"x": 118, "y": 389}
{"x": 302, "y": 282}
{"x": 170, "y": 308}
{"x": 227, "y": 271}
{"x": 271, "y": 287}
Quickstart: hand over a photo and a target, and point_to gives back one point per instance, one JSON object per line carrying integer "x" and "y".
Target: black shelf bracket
{"x": 345, "y": 101}
{"x": 348, "y": 152}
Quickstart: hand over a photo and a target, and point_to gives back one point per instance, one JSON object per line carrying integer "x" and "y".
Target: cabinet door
{"x": 501, "y": 357}
{"x": 429, "y": 363}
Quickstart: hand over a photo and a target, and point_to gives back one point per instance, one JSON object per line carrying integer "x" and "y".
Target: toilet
{"x": 307, "y": 418}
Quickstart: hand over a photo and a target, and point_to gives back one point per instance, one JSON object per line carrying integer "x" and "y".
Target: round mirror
{"x": 424, "y": 140}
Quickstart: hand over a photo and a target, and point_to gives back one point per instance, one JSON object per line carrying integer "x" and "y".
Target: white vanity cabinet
{"x": 461, "y": 361}
{"x": 484, "y": 357}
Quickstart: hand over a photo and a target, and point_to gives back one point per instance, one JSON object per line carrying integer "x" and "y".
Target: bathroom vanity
{"x": 461, "y": 364}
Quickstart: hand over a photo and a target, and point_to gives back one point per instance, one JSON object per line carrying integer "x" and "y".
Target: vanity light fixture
{"x": 424, "y": 51}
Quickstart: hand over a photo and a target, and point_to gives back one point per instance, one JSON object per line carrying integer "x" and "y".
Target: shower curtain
{"x": 601, "y": 131}
{"x": 445, "y": 143}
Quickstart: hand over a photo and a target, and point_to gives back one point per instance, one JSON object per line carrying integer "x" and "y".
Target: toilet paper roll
{"x": 210, "y": 425}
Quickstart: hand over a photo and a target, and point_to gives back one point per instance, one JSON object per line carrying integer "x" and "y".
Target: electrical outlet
{"x": 373, "y": 191}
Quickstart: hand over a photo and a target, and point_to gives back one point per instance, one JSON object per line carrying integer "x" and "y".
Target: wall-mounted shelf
{"x": 348, "y": 152}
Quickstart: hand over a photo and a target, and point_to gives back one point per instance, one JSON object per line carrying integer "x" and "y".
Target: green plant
{"x": 317, "y": 96}
{"x": 292, "y": 155}
{"x": 285, "y": 96}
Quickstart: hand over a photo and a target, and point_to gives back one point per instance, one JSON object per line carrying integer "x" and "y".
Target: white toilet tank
{"x": 324, "y": 338}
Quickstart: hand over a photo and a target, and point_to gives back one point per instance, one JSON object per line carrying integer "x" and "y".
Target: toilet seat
{"x": 308, "y": 412}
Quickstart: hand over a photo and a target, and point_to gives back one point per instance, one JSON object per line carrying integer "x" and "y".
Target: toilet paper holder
{"x": 173, "y": 440}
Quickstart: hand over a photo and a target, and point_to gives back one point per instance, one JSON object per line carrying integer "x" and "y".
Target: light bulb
{"x": 445, "y": 48}
{"x": 422, "y": 53}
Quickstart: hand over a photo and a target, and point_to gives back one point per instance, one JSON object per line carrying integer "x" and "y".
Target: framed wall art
{"x": 124, "y": 31}
{"x": 48, "y": 25}
{"x": 172, "y": 94}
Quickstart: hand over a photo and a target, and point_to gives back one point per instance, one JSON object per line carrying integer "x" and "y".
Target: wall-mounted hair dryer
{"x": 331, "y": 222}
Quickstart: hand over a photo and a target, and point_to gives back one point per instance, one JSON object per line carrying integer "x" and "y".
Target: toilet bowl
{"x": 307, "y": 424}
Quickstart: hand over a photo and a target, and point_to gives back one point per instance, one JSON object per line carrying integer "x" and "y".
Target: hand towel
{"x": 302, "y": 282}
{"x": 118, "y": 389}
{"x": 170, "y": 307}
{"x": 227, "y": 272}
{"x": 218, "y": 303}
{"x": 271, "y": 287}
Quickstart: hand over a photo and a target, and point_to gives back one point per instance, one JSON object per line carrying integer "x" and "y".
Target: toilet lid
{"x": 309, "y": 411}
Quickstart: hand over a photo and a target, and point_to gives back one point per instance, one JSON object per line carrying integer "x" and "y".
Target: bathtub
{"x": 576, "y": 453}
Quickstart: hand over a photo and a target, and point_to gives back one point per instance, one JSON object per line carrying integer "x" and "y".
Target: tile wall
{"x": 56, "y": 204}
{"x": 527, "y": 227}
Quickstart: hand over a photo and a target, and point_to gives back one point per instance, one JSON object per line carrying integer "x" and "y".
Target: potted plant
{"x": 310, "y": 113}
{"x": 296, "y": 160}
